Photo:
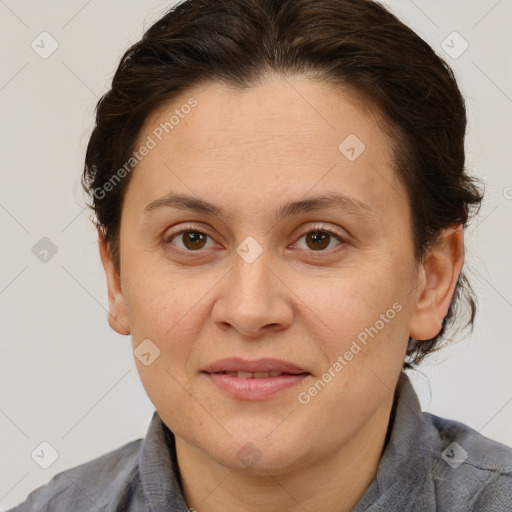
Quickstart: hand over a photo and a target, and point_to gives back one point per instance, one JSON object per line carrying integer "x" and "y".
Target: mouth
{"x": 258, "y": 367}
{"x": 254, "y": 380}
{"x": 256, "y": 375}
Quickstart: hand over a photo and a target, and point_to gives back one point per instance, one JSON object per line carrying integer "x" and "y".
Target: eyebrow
{"x": 330, "y": 200}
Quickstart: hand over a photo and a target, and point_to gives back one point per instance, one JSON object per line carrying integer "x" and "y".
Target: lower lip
{"x": 255, "y": 389}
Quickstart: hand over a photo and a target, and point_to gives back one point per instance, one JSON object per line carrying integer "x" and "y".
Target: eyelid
{"x": 322, "y": 227}
{"x": 342, "y": 238}
{"x": 168, "y": 238}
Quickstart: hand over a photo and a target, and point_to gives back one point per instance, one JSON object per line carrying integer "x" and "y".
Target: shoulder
{"x": 88, "y": 486}
{"x": 470, "y": 467}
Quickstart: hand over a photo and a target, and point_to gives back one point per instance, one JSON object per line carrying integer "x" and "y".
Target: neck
{"x": 336, "y": 482}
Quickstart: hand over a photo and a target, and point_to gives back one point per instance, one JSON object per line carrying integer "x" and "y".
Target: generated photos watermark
{"x": 151, "y": 142}
{"x": 356, "y": 346}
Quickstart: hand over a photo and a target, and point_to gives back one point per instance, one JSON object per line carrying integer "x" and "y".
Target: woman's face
{"x": 330, "y": 289}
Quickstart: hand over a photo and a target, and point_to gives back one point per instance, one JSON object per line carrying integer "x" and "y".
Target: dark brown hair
{"x": 353, "y": 44}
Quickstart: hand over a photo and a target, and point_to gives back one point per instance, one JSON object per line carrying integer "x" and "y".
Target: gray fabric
{"x": 412, "y": 474}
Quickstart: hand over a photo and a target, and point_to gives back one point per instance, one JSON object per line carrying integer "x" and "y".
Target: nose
{"x": 253, "y": 299}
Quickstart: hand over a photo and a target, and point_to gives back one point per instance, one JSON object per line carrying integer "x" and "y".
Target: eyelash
{"x": 317, "y": 228}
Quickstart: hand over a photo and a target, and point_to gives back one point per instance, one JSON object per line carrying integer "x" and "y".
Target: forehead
{"x": 285, "y": 136}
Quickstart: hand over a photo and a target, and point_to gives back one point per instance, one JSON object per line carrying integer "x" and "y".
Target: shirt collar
{"x": 404, "y": 479}
{"x": 159, "y": 472}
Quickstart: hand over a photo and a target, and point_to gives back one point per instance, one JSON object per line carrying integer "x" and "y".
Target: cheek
{"x": 157, "y": 300}
{"x": 345, "y": 304}
{"x": 359, "y": 323}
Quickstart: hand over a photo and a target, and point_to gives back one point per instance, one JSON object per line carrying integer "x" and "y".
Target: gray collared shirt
{"x": 428, "y": 464}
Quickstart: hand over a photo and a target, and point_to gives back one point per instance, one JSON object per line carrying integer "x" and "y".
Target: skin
{"x": 249, "y": 152}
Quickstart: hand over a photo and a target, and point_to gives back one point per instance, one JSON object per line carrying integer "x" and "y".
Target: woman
{"x": 281, "y": 199}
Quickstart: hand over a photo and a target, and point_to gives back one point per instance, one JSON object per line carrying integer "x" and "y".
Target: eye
{"x": 192, "y": 239}
{"x": 319, "y": 238}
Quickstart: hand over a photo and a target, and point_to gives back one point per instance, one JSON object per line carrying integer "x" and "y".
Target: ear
{"x": 439, "y": 274}
{"x": 117, "y": 317}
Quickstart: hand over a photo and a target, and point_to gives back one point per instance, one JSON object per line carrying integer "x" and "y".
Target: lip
{"x": 266, "y": 364}
{"x": 254, "y": 388}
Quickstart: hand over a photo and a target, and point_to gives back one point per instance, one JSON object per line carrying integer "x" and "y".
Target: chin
{"x": 256, "y": 454}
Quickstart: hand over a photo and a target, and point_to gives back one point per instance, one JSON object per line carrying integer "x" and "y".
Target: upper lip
{"x": 237, "y": 364}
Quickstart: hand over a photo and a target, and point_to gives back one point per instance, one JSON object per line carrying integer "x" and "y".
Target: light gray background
{"x": 66, "y": 377}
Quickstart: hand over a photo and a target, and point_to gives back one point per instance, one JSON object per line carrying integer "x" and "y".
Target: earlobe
{"x": 117, "y": 317}
{"x": 440, "y": 272}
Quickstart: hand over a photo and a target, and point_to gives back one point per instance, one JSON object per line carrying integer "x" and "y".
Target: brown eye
{"x": 319, "y": 239}
{"x": 191, "y": 240}
{"x": 194, "y": 240}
